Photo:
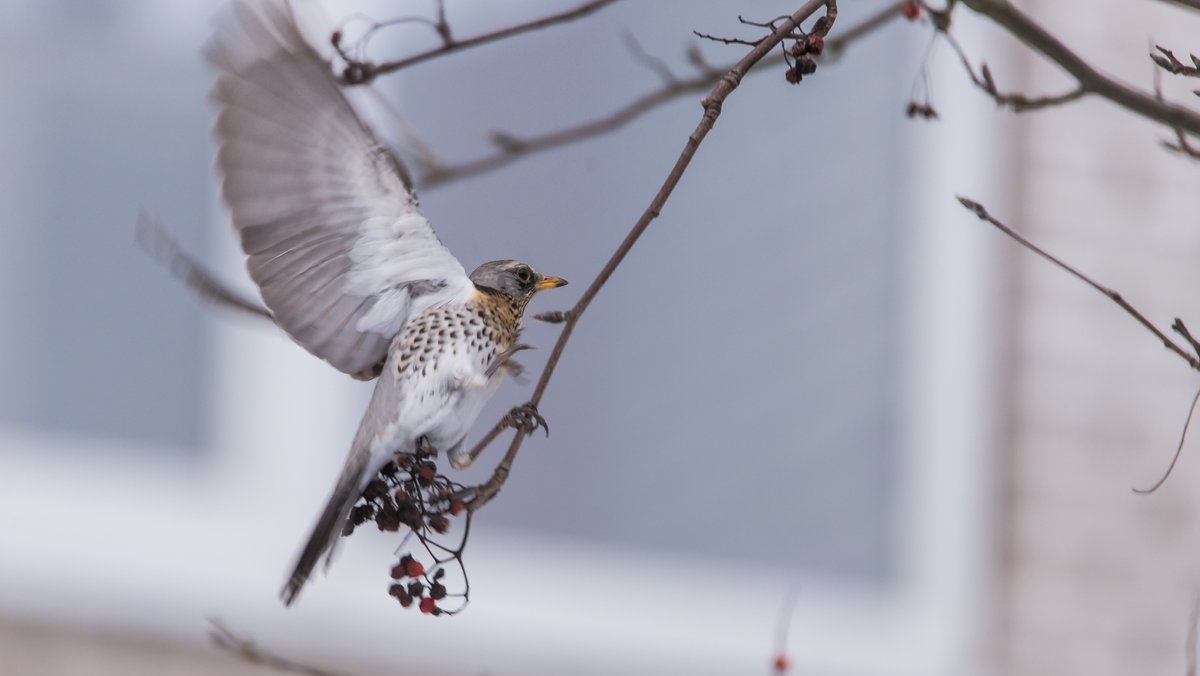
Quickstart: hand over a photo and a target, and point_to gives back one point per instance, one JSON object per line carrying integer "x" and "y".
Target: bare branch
{"x": 727, "y": 41}
{"x": 1179, "y": 327}
{"x": 512, "y": 147}
{"x": 712, "y": 109}
{"x": 1178, "y": 450}
{"x": 1006, "y": 15}
{"x": 783, "y": 629}
{"x": 1170, "y": 63}
{"x": 1017, "y": 102}
{"x": 1181, "y": 144}
{"x": 646, "y": 59}
{"x": 1190, "y": 4}
{"x": 1193, "y": 361}
{"x": 1190, "y": 643}
{"x": 979, "y": 210}
{"x": 154, "y": 239}
{"x": 361, "y": 72}
{"x": 244, "y": 648}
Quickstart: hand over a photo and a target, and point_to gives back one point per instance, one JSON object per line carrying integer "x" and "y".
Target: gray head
{"x": 514, "y": 279}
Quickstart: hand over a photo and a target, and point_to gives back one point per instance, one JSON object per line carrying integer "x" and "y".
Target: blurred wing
{"x": 332, "y": 230}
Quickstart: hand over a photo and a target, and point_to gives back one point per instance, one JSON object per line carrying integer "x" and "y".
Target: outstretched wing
{"x": 332, "y": 230}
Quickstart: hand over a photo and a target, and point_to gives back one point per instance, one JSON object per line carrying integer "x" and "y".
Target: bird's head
{"x": 514, "y": 279}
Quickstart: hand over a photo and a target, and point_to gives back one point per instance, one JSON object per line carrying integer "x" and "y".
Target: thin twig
{"x": 1004, "y": 14}
{"x": 1181, "y": 144}
{"x": 1017, "y": 102}
{"x": 1190, "y": 643}
{"x": 1193, "y": 361}
{"x": 727, "y": 41}
{"x": 648, "y": 60}
{"x": 783, "y": 627}
{"x": 1170, "y": 63}
{"x": 362, "y": 72}
{"x": 1190, "y": 4}
{"x": 712, "y": 109}
{"x": 514, "y": 147}
{"x": 1178, "y": 450}
{"x": 1115, "y": 297}
{"x": 1179, "y": 327}
{"x": 154, "y": 239}
{"x": 244, "y": 648}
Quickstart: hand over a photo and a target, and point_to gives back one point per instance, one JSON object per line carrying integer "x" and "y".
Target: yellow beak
{"x": 549, "y": 283}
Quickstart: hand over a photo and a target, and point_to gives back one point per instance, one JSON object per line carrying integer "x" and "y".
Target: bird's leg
{"x": 524, "y": 418}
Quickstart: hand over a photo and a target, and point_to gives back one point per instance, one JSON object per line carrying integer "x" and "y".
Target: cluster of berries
{"x": 803, "y": 51}
{"x": 425, "y": 590}
{"x": 410, "y": 492}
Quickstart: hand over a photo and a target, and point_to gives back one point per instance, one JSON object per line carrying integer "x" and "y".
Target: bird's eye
{"x": 524, "y": 275}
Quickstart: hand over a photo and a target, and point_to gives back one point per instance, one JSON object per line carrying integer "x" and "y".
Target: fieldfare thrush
{"x": 346, "y": 263}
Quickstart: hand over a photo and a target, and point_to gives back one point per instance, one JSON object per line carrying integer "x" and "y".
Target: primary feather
{"x": 332, "y": 230}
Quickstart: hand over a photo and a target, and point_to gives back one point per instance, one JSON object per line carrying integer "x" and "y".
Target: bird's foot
{"x": 526, "y": 418}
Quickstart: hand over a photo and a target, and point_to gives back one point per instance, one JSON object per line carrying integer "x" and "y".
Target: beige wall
{"x": 1094, "y": 579}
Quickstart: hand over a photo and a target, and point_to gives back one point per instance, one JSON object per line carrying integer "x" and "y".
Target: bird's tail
{"x": 346, "y": 492}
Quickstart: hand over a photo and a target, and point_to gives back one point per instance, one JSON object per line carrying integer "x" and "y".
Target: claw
{"x": 527, "y": 419}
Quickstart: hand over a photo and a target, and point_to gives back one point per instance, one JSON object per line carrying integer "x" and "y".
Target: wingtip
{"x": 290, "y": 591}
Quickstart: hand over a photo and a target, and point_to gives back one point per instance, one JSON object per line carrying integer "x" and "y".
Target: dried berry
{"x": 815, "y": 44}
{"x": 413, "y": 568}
{"x": 401, "y": 594}
{"x": 782, "y": 663}
{"x": 792, "y": 76}
{"x": 374, "y": 490}
{"x": 387, "y": 521}
{"x": 437, "y": 591}
{"x": 425, "y": 476}
{"x": 456, "y": 507}
{"x": 427, "y": 605}
{"x": 439, "y": 523}
{"x": 806, "y": 65}
{"x": 911, "y": 10}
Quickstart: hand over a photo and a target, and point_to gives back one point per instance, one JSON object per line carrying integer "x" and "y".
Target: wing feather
{"x": 332, "y": 231}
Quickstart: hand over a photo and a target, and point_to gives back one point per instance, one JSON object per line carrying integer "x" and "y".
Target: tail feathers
{"x": 329, "y": 527}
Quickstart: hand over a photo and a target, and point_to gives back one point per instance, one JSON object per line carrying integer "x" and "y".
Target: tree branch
{"x": 1192, "y": 361}
{"x": 712, "y": 109}
{"x": 154, "y": 239}
{"x": 244, "y": 648}
{"x": 1007, "y": 16}
{"x": 361, "y": 72}
{"x": 1017, "y": 102}
{"x": 979, "y": 210}
{"x": 1190, "y": 4}
{"x": 1178, "y": 450}
{"x": 512, "y": 148}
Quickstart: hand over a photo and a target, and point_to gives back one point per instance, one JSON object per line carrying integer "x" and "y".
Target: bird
{"x": 345, "y": 261}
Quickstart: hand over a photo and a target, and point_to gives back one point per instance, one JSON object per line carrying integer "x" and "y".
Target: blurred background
{"x": 816, "y": 377}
